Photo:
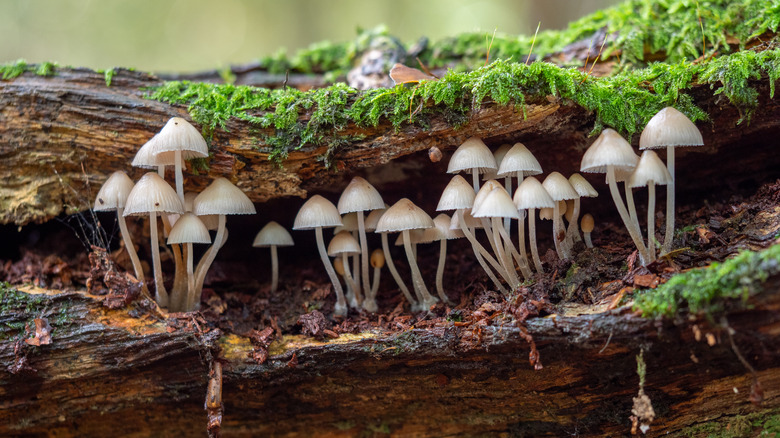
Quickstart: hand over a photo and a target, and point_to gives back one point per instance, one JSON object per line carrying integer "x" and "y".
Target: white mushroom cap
{"x": 519, "y": 159}
{"x": 609, "y": 149}
{"x": 498, "y": 155}
{"x": 532, "y": 194}
{"x": 152, "y": 193}
{"x": 343, "y": 243}
{"x": 373, "y": 218}
{"x": 559, "y": 188}
{"x": 113, "y": 193}
{"x": 670, "y": 127}
{"x": 317, "y": 212}
{"x": 497, "y": 203}
{"x": 147, "y": 158}
{"x": 582, "y": 186}
{"x": 473, "y": 153}
{"x": 483, "y": 192}
{"x": 222, "y": 197}
{"x": 189, "y": 229}
{"x": 359, "y": 195}
{"x": 650, "y": 168}
{"x": 471, "y": 221}
{"x": 211, "y": 221}
{"x": 403, "y": 215}
{"x": 273, "y": 234}
{"x": 441, "y": 230}
{"x": 176, "y": 135}
{"x": 457, "y": 195}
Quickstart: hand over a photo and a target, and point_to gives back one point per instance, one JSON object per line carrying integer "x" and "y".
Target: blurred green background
{"x": 192, "y": 35}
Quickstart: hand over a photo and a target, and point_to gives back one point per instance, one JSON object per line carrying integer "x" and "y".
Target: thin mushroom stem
{"x": 557, "y": 227}
{"x": 160, "y": 294}
{"x": 588, "y": 242}
{"x": 532, "y": 239}
{"x": 208, "y": 258}
{"x": 274, "y": 269}
{"x": 139, "y": 270}
{"x": 629, "y": 224}
{"x": 394, "y": 272}
{"x": 507, "y": 220}
{"x": 419, "y": 284}
{"x": 440, "y": 271}
{"x": 363, "y": 255}
{"x": 190, "y": 300}
{"x": 669, "y": 235}
{"x": 573, "y": 232}
{"x": 505, "y": 262}
{"x": 340, "y": 309}
{"x": 475, "y": 179}
{"x": 489, "y": 232}
{"x": 374, "y": 289}
{"x": 631, "y": 206}
{"x": 651, "y": 219}
{"x": 179, "y": 177}
{"x": 347, "y": 272}
{"x": 521, "y": 262}
{"x": 521, "y": 225}
{"x": 479, "y": 250}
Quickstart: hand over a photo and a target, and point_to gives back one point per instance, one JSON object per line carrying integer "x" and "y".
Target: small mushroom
{"x": 585, "y": 190}
{"x": 496, "y": 205}
{"x": 559, "y": 189}
{"x": 530, "y": 195}
{"x": 377, "y": 262}
{"x": 649, "y": 172}
{"x": 441, "y": 232}
{"x": 188, "y": 230}
{"x": 317, "y": 213}
{"x": 472, "y": 156}
{"x": 273, "y": 235}
{"x": 344, "y": 245}
{"x": 587, "y": 225}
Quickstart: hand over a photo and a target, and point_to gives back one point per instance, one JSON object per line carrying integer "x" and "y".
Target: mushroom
{"x": 273, "y": 235}
{"x": 497, "y": 204}
{"x": 344, "y": 245}
{"x": 152, "y": 195}
{"x": 669, "y": 129}
{"x": 459, "y": 196}
{"x": 609, "y": 152}
{"x": 559, "y": 189}
{"x": 316, "y": 213}
{"x": 474, "y": 156}
{"x": 519, "y": 162}
{"x": 112, "y": 196}
{"x": 389, "y": 258}
{"x": 360, "y": 196}
{"x": 377, "y": 261}
{"x": 649, "y": 172}
{"x": 188, "y": 230}
{"x": 221, "y": 197}
{"x": 587, "y": 225}
{"x": 404, "y": 216}
{"x": 441, "y": 232}
{"x": 184, "y": 141}
{"x": 350, "y": 224}
{"x": 530, "y": 195}
{"x": 585, "y": 190}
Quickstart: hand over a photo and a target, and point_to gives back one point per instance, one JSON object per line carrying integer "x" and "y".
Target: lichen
{"x": 708, "y": 290}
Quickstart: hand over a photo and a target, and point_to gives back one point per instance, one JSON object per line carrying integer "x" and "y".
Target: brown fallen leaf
{"x": 647, "y": 280}
{"x": 401, "y": 74}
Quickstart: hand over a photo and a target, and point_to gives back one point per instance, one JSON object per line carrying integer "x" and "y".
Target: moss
{"x": 765, "y": 423}
{"x": 109, "y": 76}
{"x": 15, "y": 69}
{"x": 708, "y": 290}
{"x": 19, "y": 309}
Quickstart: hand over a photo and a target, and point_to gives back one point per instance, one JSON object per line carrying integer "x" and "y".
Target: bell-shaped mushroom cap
{"x": 497, "y": 203}
{"x": 610, "y": 149}
{"x": 498, "y": 155}
{"x": 273, "y": 234}
{"x": 415, "y": 237}
{"x": 113, "y": 193}
{"x": 650, "y": 168}
{"x": 176, "y": 135}
{"x": 403, "y": 215}
{"x": 148, "y": 158}
{"x": 483, "y": 192}
{"x": 441, "y": 230}
{"x": 152, "y": 193}
{"x": 458, "y": 194}
{"x": 532, "y": 194}
{"x": 373, "y": 218}
{"x": 587, "y": 223}
{"x": 670, "y": 127}
{"x": 546, "y": 213}
{"x": 359, "y": 195}
{"x": 471, "y": 221}
{"x": 189, "y": 229}
{"x": 343, "y": 243}
{"x": 519, "y": 159}
{"x": 559, "y": 188}
{"x": 582, "y": 186}
{"x": 222, "y": 197}
{"x": 317, "y": 212}
{"x": 472, "y": 154}
{"x": 350, "y": 221}
{"x": 211, "y": 221}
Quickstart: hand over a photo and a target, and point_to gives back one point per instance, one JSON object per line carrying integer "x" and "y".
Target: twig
{"x": 487, "y": 55}
{"x": 533, "y": 42}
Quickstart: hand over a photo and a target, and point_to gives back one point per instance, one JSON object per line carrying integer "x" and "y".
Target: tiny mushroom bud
{"x": 377, "y": 262}
{"x": 587, "y": 225}
{"x": 273, "y": 235}
{"x": 584, "y": 190}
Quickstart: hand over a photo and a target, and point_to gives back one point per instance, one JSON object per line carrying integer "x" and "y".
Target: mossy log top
{"x": 462, "y": 378}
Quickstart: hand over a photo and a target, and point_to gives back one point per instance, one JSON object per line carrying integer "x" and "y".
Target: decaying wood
{"x": 59, "y": 134}
{"x": 109, "y": 370}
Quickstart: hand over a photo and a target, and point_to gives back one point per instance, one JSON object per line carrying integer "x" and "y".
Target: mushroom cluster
{"x": 186, "y": 217}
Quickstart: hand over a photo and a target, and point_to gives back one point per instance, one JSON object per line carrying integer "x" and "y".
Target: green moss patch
{"x": 708, "y": 290}
{"x": 14, "y": 69}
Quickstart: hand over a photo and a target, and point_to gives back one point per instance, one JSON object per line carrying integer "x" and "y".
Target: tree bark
{"x": 111, "y": 370}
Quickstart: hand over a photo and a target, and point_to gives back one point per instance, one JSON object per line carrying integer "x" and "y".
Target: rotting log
{"x": 111, "y": 370}
{"x": 62, "y": 133}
